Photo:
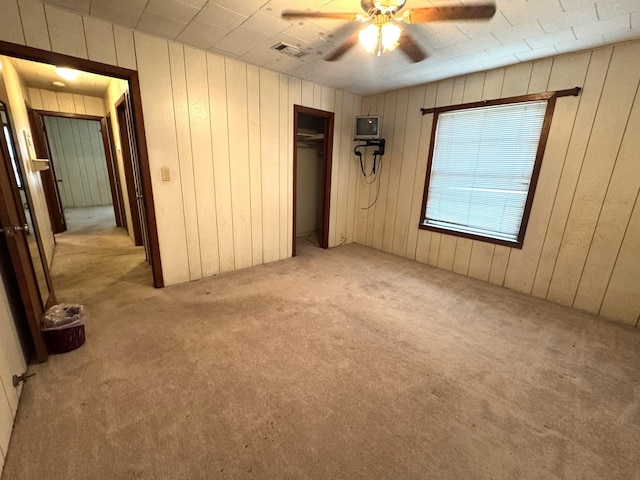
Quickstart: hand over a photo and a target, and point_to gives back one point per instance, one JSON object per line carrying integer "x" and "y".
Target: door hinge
{"x": 10, "y": 230}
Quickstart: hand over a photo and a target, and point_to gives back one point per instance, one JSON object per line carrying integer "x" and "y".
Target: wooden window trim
{"x": 550, "y": 97}
{"x": 532, "y": 97}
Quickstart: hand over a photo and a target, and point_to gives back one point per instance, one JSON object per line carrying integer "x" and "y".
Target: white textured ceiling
{"x": 42, "y": 75}
{"x": 247, "y": 29}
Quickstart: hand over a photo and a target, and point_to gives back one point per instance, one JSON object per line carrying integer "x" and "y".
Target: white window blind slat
{"x": 481, "y": 168}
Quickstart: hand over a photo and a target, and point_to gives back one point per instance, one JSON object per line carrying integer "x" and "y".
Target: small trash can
{"x": 63, "y": 327}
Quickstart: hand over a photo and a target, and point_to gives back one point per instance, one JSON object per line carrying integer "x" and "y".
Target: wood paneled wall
{"x": 20, "y": 123}
{"x": 582, "y": 246}
{"x": 12, "y": 362}
{"x": 64, "y": 102}
{"x": 226, "y": 136}
{"x": 223, "y": 128}
{"x": 77, "y": 153}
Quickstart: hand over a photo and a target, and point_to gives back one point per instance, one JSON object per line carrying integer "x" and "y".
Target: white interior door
{"x": 12, "y": 362}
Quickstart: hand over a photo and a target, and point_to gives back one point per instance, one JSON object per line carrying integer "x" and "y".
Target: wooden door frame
{"x": 109, "y": 146}
{"x": 44, "y": 56}
{"x": 107, "y": 150}
{"x": 328, "y": 160}
{"x": 48, "y": 176}
{"x": 127, "y": 162}
{"x": 112, "y": 169}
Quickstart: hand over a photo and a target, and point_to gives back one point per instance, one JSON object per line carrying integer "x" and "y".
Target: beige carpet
{"x": 340, "y": 364}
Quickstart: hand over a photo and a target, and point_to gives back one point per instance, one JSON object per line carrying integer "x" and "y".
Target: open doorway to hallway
{"x": 82, "y": 123}
{"x": 80, "y": 173}
{"x": 76, "y": 142}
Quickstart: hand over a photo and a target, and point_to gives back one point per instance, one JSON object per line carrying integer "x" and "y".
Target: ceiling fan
{"x": 384, "y": 30}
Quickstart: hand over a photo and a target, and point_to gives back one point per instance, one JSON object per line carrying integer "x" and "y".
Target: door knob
{"x": 10, "y": 230}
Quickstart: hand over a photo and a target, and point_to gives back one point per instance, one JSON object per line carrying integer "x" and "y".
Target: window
{"x": 483, "y": 166}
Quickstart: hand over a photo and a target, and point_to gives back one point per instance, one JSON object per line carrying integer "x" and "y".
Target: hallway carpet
{"x": 341, "y": 364}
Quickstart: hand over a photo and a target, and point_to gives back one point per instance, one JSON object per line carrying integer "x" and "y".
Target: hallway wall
{"x": 223, "y": 128}
{"x": 17, "y": 96}
{"x": 52, "y": 101}
{"x": 115, "y": 90}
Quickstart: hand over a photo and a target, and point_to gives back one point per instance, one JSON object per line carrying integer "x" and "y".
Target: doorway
{"x": 312, "y": 159}
{"x": 78, "y": 164}
{"x": 27, "y": 222}
{"x": 131, "y": 171}
{"x": 135, "y": 136}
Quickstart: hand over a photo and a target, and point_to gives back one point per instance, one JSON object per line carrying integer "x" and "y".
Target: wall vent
{"x": 289, "y": 50}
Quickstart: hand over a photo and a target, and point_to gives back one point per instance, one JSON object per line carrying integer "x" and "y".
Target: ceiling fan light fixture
{"x": 390, "y": 34}
{"x": 379, "y": 38}
{"x": 384, "y": 30}
{"x": 369, "y": 38}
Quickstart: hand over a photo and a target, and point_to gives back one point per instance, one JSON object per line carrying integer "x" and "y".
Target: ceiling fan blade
{"x": 410, "y": 48}
{"x": 439, "y": 14}
{"x": 328, "y": 15}
{"x": 347, "y": 45}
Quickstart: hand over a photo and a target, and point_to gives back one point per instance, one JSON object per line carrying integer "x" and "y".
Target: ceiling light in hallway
{"x": 67, "y": 73}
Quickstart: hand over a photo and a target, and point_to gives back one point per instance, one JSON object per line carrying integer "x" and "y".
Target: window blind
{"x": 481, "y": 168}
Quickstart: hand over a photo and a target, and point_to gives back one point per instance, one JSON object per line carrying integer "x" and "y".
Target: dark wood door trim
{"x": 29, "y": 53}
{"x": 78, "y": 116}
{"x": 111, "y": 171}
{"x": 53, "y": 58}
{"x": 127, "y": 160}
{"x": 140, "y": 138}
{"x": 328, "y": 160}
{"x": 48, "y": 177}
{"x": 112, "y": 146}
{"x": 114, "y": 173}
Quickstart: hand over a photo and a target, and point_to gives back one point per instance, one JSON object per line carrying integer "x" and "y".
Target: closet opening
{"x": 312, "y": 158}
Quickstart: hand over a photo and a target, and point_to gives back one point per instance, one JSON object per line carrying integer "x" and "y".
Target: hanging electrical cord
{"x": 379, "y": 152}
{"x": 377, "y": 189}
{"x": 363, "y": 167}
{"x": 363, "y": 161}
{"x": 376, "y": 167}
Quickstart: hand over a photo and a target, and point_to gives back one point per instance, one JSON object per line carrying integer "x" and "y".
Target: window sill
{"x": 481, "y": 238}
